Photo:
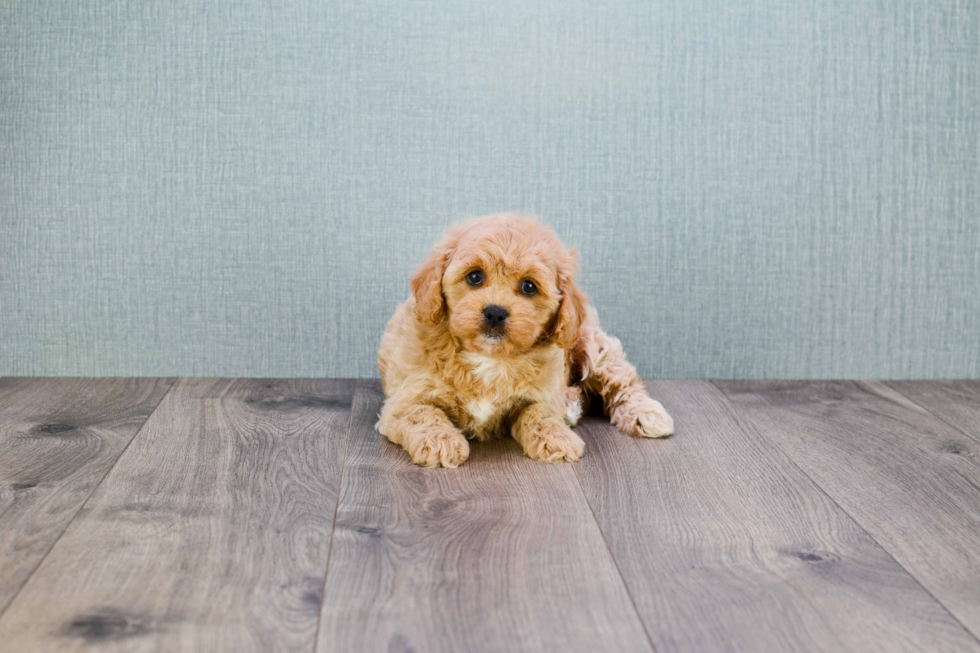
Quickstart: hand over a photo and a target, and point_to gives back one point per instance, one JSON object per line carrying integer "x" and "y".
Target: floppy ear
{"x": 571, "y": 311}
{"x": 427, "y": 285}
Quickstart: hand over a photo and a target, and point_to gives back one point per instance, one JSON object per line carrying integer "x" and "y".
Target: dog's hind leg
{"x": 576, "y": 404}
{"x": 606, "y": 372}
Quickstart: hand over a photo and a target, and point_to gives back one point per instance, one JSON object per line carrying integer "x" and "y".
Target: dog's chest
{"x": 487, "y": 417}
{"x": 482, "y": 410}
{"x": 494, "y": 391}
{"x": 490, "y": 372}
{"x": 495, "y": 394}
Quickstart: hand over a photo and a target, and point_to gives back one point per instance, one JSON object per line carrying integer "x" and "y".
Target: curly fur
{"x": 447, "y": 378}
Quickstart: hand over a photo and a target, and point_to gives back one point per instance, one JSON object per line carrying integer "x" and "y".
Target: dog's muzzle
{"x": 494, "y": 319}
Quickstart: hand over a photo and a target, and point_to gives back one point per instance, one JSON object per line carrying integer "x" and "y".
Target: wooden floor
{"x": 268, "y": 515}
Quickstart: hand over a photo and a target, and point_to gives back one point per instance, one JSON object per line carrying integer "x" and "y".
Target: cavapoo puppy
{"x": 497, "y": 339}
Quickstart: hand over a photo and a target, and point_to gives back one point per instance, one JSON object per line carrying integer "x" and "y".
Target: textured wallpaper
{"x": 757, "y": 188}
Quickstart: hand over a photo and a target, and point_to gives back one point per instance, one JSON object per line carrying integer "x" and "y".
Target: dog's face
{"x": 500, "y": 285}
{"x": 498, "y": 300}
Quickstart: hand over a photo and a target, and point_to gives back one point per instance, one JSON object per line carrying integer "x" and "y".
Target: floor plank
{"x": 210, "y": 534}
{"x": 58, "y": 439}
{"x": 955, "y": 402}
{"x": 726, "y": 545}
{"x": 911, "y": 480}
{"x": 500, "y": 554}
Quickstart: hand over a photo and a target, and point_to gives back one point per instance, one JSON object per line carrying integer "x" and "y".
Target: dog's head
{"x": 501, "y": 284}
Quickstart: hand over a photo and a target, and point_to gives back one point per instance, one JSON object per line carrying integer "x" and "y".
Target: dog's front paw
{"x": 642, "y": 417}
{"x": 553, "y": 442}
{"x": 438, "y": 448}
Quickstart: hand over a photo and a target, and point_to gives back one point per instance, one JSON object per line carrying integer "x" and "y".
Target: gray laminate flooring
{"x": 268, "y": 515}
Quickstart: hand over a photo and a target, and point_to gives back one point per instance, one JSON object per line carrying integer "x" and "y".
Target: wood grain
{"x": 58, "y": 439}
{"x": 726, "y": 545}
{"x": 911, "y": 480}
{"x": 500, "y": 554}
{"x": 955, "y": 402}
{"x": 210, "y": 534}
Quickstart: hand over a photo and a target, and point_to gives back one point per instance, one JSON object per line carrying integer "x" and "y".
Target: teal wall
{"x": 758, "y": 189}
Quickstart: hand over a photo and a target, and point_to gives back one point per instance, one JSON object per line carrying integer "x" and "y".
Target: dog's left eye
{"x": 528, "y": 287}
{"x": 474, "y": 278}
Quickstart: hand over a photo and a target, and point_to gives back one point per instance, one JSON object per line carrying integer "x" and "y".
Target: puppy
{"x": 497, "y": 339}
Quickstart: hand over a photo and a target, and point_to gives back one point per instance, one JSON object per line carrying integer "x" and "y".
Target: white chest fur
{"x": 481, "y": 411}
{"x": 487, "y": 369}
{"x": 500, "y": 390}
{"x": 505, "y": 383}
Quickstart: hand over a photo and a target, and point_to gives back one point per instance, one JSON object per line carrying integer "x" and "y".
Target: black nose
{"x": 494, "y": 315}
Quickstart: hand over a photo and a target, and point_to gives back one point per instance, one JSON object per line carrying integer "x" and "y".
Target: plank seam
{"x": 95, "y": 488}
{"x": 747, "y": 422}
{"x": 336, "y": 509}
{"x": 622, "y": 579}
{"x": 931, "y": 412}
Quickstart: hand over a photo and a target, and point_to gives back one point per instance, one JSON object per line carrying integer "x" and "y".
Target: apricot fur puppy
{"x": 496, "y": 339}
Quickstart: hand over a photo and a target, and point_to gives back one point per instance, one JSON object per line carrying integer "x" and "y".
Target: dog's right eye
{"x": 474, "y": 278}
